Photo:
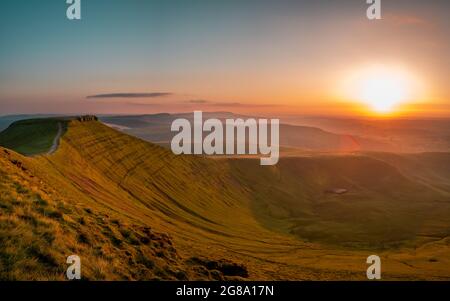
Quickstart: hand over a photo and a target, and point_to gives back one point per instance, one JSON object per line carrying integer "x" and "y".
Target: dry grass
{"x": 39, "y": 229}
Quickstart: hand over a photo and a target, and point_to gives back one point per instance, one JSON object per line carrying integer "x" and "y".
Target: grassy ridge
{"x": 41, "y": 226}
{"x": 275, "y": 221}
{"x": 31, "y": 137}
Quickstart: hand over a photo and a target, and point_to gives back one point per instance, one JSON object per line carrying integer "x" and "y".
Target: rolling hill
{"x": 396, "y": 134}
{"x": 156, "y": 128}
{"x": 133, "y": 210}
{"x": 7, "y": 120}
{"x": 33, "y": 136}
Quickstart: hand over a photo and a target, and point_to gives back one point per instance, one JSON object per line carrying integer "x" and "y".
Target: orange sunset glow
{"x": 382, "y": 90}
{"x": 295, "y": 61}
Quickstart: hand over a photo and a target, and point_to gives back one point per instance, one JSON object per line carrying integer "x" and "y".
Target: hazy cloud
{"x": 130, "y": 95}
{"x": 405, "y": 19}
{"x": 244, "y": 105}
{"x": 139, "y": 104}
{"x": 198, "y": 101}
{"x": 229, "y": 104}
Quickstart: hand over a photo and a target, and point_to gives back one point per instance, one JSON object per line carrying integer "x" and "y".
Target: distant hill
{"x": 400, "y": 134}
{"x": 7, "y": 120}
{"x": 156, "y": 128}
{"x": 133, "y": 210}
{"x": 33, "y": 136}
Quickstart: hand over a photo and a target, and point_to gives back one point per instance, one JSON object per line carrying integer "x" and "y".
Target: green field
{"x": 133, "y": 210}
{"x": 31, "y": 137}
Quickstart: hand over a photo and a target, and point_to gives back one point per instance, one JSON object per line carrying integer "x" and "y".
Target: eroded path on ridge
{"x": 55, "y": 143}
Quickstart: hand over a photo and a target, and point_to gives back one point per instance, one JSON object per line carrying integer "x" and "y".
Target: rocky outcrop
{"x": 86, "y": 118}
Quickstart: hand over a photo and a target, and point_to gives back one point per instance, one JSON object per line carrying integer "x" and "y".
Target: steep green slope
{"x": 382, "y": 207}
{"x": 39, "y": 229}
{"x": 430, "y": 169}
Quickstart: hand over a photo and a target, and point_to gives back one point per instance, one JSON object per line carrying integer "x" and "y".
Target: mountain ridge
{"x": 221, "y": 211}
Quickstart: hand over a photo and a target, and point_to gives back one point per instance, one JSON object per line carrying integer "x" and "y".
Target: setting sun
{"x": 381, "y": 89}
{"x": 382, "y": 92}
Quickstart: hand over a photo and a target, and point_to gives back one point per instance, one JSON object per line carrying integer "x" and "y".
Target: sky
{"x": 258, "y": 56}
